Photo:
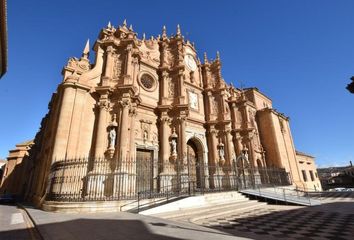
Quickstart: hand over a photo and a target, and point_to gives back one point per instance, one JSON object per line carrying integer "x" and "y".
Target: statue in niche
{"x": 222, "y": 153}
{"x": 174, "y": 147}
{"x": 145, "y": 136}
{"x": 112, "y": 138}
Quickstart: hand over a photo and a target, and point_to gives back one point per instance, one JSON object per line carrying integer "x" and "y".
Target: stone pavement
{"x": 331, "y": 220}
{"x": 274, "y": 222}
{"x": 334, "y": 219}
{"x": 14, "y": 224}
{"x": 117, "y": 225}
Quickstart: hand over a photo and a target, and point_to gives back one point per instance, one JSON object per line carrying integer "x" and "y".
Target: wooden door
{"x": 144, "y": 170}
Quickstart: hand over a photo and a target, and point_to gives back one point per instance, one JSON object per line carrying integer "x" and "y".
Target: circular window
{"x": 147, "y": 82}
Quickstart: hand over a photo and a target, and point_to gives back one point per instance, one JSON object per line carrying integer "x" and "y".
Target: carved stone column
{"x": 128, "y": 65}
{"x": 124, "y": 137}
{"x": 132, "y": 115}
{"x": 230, "y": 146}
{"x": 234, "y": 119}
{"x": 214, "y": 150}
{"x": 164, "y": 87}
{"x": 182, "y": 139}
{"x": 165, "y": 152}
{"x": 62, "y": 134}
{"x": 181, "y": 94}
{"x": 238, "y": 143}
{"x": 164, "y": 142}
{"x": 101, "y": 134}
{"x": 109, "y": 66}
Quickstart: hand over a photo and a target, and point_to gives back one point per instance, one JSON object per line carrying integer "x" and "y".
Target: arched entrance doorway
{"x": 195, "y": 165}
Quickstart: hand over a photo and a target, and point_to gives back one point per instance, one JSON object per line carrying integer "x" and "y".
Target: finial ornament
{"x": 178, "y": 30}
{"x": 205, "y": 57}
{"x": 131, "y": 27}
{"x": 86, "y": 51}
{"x": 109, "y": 25}
{"x": 164, "y": 31}
{"x": 217, "y": 55}
{"x": 125, "y": 22}
{"x": 144, "y": 36}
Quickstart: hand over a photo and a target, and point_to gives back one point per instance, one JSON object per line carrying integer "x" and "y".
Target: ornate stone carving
{"x": 171, "y": 88}
{"x": 117, "y": 66}
{"x": 145, "y": 129}
{"x": 81, "y": 65}
{"x": 215, "y": 106}
{"x": 125, "y": 103}
{"x": 103, "y": 104}
{"x": 193, "y": 100}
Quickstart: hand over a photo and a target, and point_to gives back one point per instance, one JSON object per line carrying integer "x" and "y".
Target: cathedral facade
{"x": 148, "y": 114}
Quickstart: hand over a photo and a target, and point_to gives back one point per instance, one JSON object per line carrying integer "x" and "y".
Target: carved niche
{"x": 171, "y": 88}
{"x": 117, "y": 66}
{"x": 145, "y": 126}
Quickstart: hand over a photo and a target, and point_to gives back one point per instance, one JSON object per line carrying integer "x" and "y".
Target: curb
{"x": 31, "y": 224}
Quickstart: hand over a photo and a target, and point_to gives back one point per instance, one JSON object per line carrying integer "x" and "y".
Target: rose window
{"x": 147, "y": 81}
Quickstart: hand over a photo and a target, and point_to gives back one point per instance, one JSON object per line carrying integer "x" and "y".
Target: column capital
{"x": 165, "y": 120}
{"x": 132, "y": 112}
{"x": 181, "y": 119}
{"x": 103, "y": 103}
{"x": 129, "y": 47}
{"x": 125, "y": 103}
{"x": 213, "y": 131}
{"x": 110, "y": 49}
{"x": 181, "y": 72}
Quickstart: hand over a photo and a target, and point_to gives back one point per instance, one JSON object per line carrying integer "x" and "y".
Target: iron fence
{"x": 101, "y": 179}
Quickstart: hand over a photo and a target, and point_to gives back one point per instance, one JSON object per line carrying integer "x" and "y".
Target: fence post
{"x": 138, "y": 202}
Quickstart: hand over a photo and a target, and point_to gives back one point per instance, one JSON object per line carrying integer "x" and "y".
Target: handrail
{"x": 167, "y": 195}
{"x": 286, "y": 194}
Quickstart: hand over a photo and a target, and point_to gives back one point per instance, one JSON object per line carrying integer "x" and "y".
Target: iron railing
{"x": 101, "y": 179}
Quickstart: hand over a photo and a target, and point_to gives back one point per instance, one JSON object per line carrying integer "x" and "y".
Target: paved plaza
{"x": 286, "y": 223}
{"x": 334, "y": 219}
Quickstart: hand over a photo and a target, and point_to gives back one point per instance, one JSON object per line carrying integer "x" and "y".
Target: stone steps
{"x": 197, "y": 208}
{"x": 209, "y": 211}
{"x": 209, "y": 199}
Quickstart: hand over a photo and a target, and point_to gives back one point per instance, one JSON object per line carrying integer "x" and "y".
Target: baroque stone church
{"x": 149, "y": 115}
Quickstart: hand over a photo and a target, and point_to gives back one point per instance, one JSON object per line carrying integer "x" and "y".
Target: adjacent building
{"x": 337, "y": 177}
{"x": 15, "y": 172}
{"x": 308, "y": 169}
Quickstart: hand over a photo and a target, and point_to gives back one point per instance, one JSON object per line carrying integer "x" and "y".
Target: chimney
{"x": 351, "y": 164}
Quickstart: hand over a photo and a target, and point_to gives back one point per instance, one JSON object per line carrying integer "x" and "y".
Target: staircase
{"x": 195, "y": 208}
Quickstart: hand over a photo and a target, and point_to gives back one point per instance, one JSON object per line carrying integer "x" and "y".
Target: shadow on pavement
{"x": 327, "y": 221}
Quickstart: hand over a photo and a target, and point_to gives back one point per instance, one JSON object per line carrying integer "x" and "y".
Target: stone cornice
{"x": 75, "y": 85}
{"x": 194, "y": 86}
{"x": 274, "y": 111}
{"x": 193, "y": 120}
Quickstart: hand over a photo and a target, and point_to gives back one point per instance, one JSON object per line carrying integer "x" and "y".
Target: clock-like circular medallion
{"x": 190, "y": 62}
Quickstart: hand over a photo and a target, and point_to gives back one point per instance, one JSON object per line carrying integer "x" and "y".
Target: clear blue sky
{"x": 299, "y": 53}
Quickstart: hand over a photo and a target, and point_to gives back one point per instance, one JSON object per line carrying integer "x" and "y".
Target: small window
{"x": 304, "y": 176}
{"x": 311, "y": 175}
